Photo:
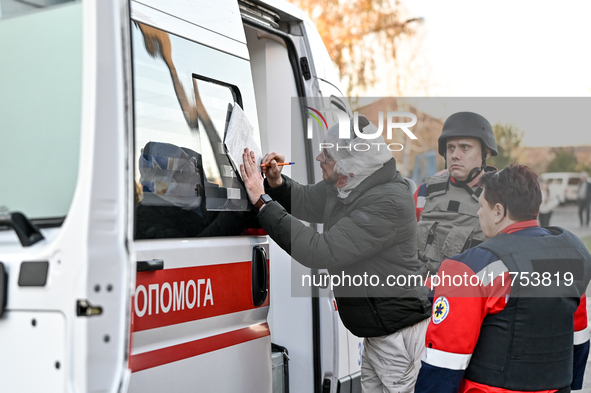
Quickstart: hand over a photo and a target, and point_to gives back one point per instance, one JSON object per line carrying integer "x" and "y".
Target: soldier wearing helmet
{"x": 446, "y": 204}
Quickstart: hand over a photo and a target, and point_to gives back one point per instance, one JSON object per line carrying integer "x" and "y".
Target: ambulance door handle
{"x": 259, "y": 275}
{"x": 148, "y": 266}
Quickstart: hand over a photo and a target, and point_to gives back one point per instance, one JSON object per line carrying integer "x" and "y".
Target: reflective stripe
{"x": 159, "y": 357}
{"x": 452, "y": 361}
{"x": 191, "y": 293}
{"x": 582, "y": 336}
{"x": 420, "y": 202}
{"x": 491, "y": 271}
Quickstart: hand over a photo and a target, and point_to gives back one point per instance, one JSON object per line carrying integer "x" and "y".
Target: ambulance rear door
{"x": 200, "y": 305}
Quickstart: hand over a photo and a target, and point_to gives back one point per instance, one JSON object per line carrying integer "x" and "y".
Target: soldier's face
{"x": 463, "y": 155}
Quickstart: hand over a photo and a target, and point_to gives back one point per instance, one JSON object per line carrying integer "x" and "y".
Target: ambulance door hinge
{"x": 305, "y": 68}
{"x": 326, "y": 385}
{"x": 85, "y": 309}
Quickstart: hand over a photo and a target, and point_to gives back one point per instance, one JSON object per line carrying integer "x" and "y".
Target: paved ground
{"x": 567, "y": 218}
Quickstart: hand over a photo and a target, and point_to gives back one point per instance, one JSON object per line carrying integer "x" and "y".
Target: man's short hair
{"x": 517, "y": 188}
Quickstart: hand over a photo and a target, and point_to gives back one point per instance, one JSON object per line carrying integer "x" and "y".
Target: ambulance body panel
{"x": 105, "y": 303}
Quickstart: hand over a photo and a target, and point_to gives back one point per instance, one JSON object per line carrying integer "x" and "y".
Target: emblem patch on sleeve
{"x": 440, "y": 310}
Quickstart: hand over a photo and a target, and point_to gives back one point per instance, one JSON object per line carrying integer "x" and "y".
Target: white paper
{"x": 239, "y": 136}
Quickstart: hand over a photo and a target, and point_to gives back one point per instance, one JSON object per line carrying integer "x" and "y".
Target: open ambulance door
{"x": 288, "y": 60}
{"x": 64, "y": 256}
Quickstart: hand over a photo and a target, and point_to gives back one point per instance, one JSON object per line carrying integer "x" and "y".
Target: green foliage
{"x": 508, "y": 141}
{"x": 563, "y": 161}
{"x": 583, "y": 167}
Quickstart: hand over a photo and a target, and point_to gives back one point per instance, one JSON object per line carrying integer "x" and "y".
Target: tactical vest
{"x": 529, "y": 345}
{"x": 449, "y": 223}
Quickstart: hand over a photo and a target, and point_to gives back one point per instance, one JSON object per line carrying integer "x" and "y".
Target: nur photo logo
{"x": 369, "y": 132}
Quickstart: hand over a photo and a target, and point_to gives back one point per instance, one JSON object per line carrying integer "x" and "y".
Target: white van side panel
{"x": 182, "y": 339}
{"x": 21, "y": 337}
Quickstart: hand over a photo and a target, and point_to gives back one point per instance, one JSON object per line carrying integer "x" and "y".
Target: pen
{"x": 280, "y": 164}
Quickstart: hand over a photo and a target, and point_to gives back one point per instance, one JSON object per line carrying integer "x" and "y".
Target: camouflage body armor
{"x": 449, "y": 222}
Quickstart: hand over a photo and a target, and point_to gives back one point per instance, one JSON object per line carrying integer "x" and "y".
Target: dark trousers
{"x": 545, "y": 219}
{"x": 583, "y": 209}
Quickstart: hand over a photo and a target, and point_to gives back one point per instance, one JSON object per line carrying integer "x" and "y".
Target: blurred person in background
{"x": 584, "y": 199}
{"x": 446, "y": 204}
{"x": 490, "y": 333}
{"x": 549, "y": 202}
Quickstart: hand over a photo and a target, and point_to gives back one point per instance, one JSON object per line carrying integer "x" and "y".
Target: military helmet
{"x": 468, "y": 125}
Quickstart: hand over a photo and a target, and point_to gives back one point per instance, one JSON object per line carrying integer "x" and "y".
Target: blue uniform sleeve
{"x": 581, "y": 353}
{"x": 433, "y": 379}
{"x": 419, "y": 198}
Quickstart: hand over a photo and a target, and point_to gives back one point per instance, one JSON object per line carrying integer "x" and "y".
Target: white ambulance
{"x": 129, "y": 261}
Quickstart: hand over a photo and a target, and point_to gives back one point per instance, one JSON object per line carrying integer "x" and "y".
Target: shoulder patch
{"x": 476, "y": 258}
{"x": 422, "y": 190}
{"x": 440, "y": 309}
{"x": 436, "y": 188}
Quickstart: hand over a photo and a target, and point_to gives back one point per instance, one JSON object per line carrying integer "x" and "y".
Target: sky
{"x": 518, "y": 48}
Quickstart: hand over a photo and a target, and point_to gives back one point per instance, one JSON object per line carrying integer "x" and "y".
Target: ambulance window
{"x": 40, "y": 108}
{"x": 10, "y": 8}
{"x": 183, "y": 94}
{"x": 223, "y": 191}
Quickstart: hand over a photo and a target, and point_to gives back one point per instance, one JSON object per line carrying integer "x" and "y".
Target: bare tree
{"x": 357, "y": 34}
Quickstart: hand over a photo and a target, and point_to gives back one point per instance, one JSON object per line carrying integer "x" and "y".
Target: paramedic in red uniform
{"x": 491, "y": 333}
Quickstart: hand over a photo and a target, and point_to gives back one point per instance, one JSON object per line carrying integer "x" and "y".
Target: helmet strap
{"x": 473, "y": 174}
{"x": 476, "y": 171}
